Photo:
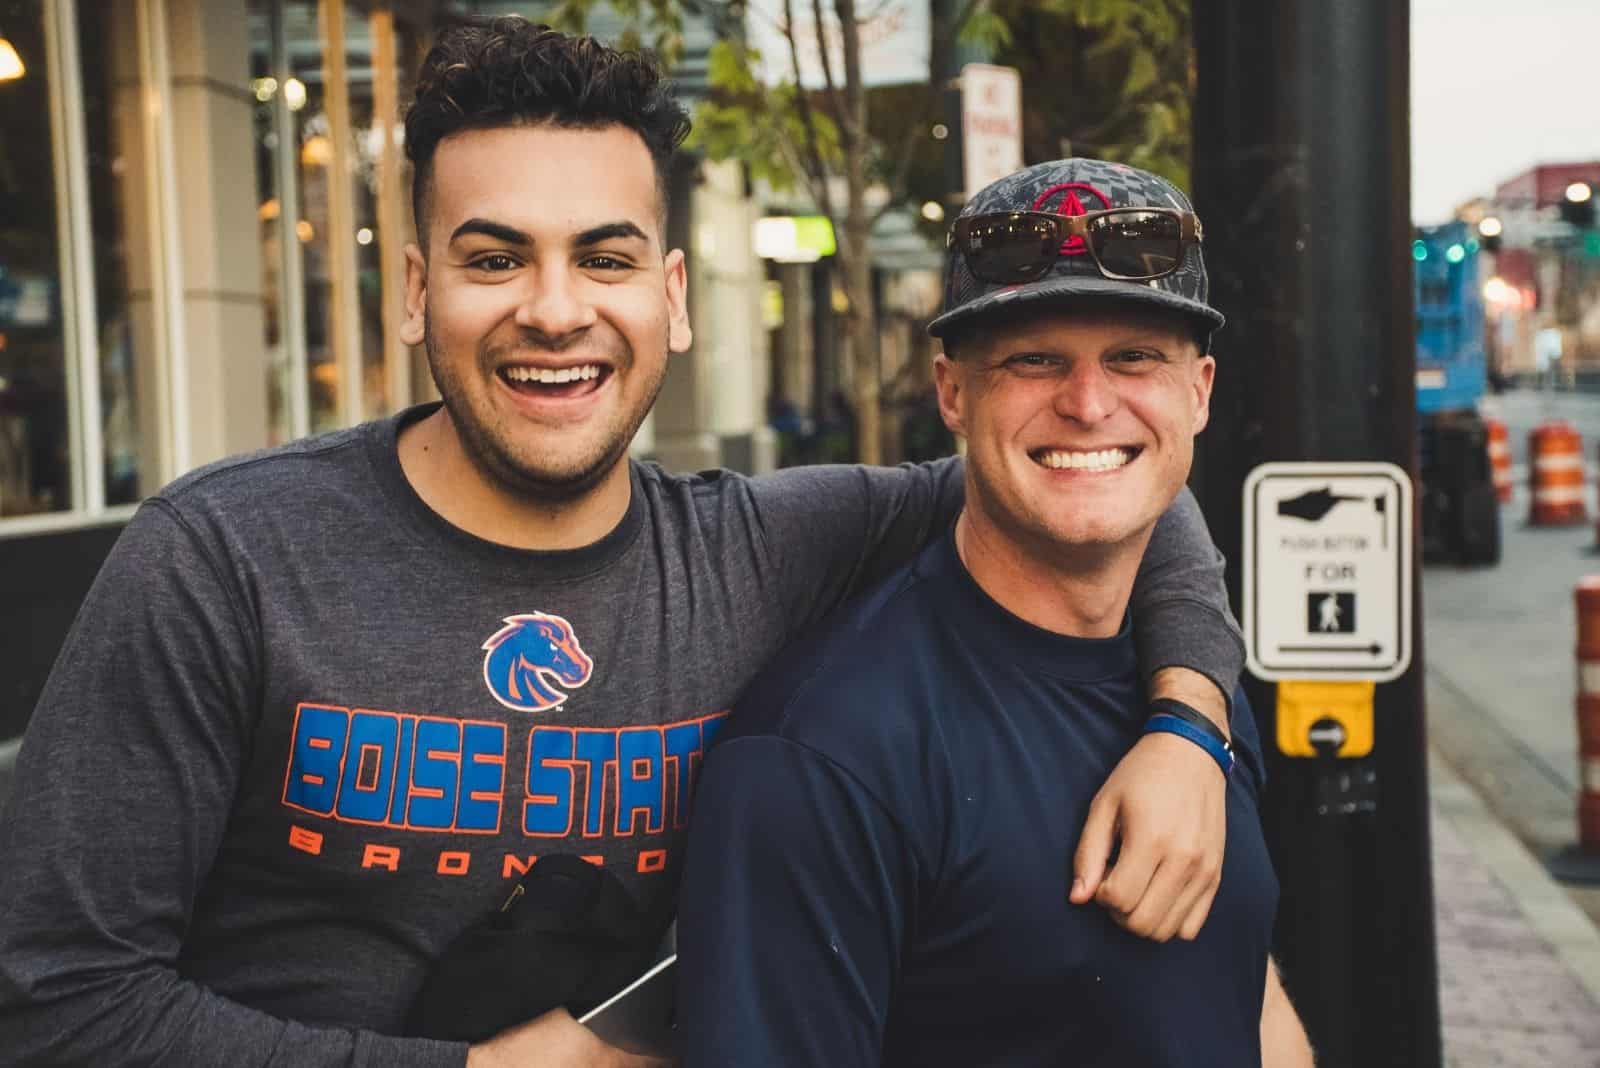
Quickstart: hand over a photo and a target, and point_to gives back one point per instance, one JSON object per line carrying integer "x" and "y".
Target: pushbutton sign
{"x": 1327, "y": 571}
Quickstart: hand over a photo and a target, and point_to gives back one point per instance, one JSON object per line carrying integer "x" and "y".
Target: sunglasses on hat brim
{"x": 1126, "y": 244}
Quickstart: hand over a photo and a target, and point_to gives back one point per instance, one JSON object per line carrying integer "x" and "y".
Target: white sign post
{"x": 991, "y": 124}
{"x": 1327, "y": 571}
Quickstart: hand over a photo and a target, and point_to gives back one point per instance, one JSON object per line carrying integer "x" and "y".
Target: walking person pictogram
{"x": 1330, "y": 612}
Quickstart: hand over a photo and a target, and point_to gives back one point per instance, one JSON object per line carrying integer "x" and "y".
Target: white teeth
{"x": 552, "y": 376}
{"x": 1103, "y": 460}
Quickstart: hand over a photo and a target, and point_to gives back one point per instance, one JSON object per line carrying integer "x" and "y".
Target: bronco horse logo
{"x": 527, "y": 657}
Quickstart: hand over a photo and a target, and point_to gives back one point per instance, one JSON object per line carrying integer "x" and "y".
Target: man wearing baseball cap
{"x": 873, "y": 866}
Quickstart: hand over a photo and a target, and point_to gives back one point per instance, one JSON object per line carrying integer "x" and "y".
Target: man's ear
{"x": 1205, "y": 374}
{"x": 414, "y": 329}
{"x": 679, "y": 336}
{"x": 950, "y": 383}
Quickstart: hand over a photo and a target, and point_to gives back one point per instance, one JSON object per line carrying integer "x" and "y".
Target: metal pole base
{"x": 1575, "y": 865}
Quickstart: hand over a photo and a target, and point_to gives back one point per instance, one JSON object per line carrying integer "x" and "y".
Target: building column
{"x": 213, "y": 120}
{"x": 679, "y": 431}
{"x": 713, "y": 404}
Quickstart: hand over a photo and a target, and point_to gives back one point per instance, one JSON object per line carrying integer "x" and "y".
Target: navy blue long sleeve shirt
{"x": 882, "y": 841}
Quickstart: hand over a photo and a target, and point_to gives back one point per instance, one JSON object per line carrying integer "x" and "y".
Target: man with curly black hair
{"x": 329, "y": 706}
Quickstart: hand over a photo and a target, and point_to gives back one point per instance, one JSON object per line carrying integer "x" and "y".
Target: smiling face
{"x": 546, "y": 300}
{"x": 1080, "y": 427}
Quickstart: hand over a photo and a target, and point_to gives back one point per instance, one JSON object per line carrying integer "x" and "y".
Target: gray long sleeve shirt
{"x": 304, "y": 732}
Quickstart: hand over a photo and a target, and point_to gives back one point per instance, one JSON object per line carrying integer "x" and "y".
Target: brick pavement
{"x": 1519, "y": 964}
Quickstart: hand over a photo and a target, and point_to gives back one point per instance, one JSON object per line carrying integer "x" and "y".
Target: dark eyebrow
{"x": 499, "y": 231}
{"x": 608, "y": 232}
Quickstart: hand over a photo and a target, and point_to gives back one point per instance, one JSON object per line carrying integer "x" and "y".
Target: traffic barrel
{"x": 1588, "y": 597}
{"x": 1500, "y": 459}
{"x": 1555, "y": 475}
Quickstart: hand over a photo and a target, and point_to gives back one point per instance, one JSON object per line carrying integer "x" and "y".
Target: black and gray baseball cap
{"x": 1075, "y": 187}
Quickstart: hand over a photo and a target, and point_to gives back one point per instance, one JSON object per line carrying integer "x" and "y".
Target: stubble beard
{"x": 1030, "y": 531}
{"x": 492, "y": 455}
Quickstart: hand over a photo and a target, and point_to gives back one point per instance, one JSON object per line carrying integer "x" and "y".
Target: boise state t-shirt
{"x": 877, "y": 868}
{"x": 305, "y": 732}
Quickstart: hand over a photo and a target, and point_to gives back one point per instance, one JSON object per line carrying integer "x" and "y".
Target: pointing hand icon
{"x": 1313, "y": 504}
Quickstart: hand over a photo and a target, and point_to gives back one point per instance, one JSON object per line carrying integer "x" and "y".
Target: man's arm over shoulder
{"x": 794, "y": 904}
{"x": 1180, "y": 601}
{"x": 122, "y": 792}
{"x": 831, "y": 530}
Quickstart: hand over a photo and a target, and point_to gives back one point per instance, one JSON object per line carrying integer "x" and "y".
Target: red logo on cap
{"x": 1071, "y": 205}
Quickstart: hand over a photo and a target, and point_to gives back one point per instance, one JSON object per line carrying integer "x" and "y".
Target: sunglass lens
{"x": 1008, "y": 251}
{"x": 1137, "y": 244}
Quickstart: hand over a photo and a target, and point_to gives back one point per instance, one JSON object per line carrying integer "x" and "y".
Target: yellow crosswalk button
{"x": 1325, "y": 718}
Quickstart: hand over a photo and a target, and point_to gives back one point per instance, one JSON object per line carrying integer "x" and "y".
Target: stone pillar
{"x": 212, "y": 112}
{"x": 681, "y": 420}
{"x": 713, "y": 405}
{"x": 796, "y": 357}
{"x": 732, "y": 278}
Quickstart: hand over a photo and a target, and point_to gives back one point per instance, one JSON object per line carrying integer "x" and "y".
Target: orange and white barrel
{"x": 1555, "y": 475}
{"x": 1588, "y": 597}
{"x": 1500, "y": 458}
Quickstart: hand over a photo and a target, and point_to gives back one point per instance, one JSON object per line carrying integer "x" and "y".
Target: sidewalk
{"x": 1519, "y": 963}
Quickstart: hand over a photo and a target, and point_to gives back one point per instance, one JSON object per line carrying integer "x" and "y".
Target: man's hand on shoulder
{"x": 1167, "y": 803}
{"x": 555, "y": 1040}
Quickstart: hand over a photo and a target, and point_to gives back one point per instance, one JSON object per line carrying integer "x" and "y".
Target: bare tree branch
{"x": 794, "y": 155}
{"x": 836, "y": 108}
{"x": 816, "y": 173}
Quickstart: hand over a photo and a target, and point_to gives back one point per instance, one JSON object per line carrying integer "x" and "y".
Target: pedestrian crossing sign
{"x": 1327, "y": 571}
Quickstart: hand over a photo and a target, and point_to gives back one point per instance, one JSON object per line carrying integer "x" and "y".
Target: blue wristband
{"x": 1166, "y": 723}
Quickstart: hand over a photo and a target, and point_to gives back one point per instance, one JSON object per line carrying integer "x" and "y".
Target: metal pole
{"x": 1302, "y": 174}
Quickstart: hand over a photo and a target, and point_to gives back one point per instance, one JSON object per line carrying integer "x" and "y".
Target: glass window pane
{"x": 288, "y": 78}
{"x": 117, "y": 172}
{"x": 378, "y": 75}
{"x": 313, "y": 140}
{"x": 366, "y": 148}
{"x": 265, "y": 68}
{"x": 35, "y": 433}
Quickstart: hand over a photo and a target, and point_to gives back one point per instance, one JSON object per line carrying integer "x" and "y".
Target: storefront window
{"x": 35, "y": 384}
{"x": 289, "y": 84}
{"x": 265, "y": 70}
{"x": 118, "y": 173}
{"x": 334, "y": 295}
{"x": 313, "y": 141}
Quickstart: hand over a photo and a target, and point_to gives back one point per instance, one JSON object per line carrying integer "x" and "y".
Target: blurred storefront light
{"x": 793, "y": 238}
{"x": 294, "y": 94}
{"x": 1499, "y": 293}
{"x": 1579, "y": 192}
{"x": 1491, "y": 227}
{"x": 11, "y": 67}
{"x": 933, "y": 211}
{"x": 317, "y": 151}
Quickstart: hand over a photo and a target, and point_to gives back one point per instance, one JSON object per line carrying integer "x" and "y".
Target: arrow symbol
{"x": 1374, "y": 649}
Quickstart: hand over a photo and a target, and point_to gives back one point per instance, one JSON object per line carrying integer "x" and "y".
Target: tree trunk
{"x": 857, "y": 261}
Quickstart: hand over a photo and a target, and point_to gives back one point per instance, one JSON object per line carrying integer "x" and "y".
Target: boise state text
{"x": 428, "y": 773}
